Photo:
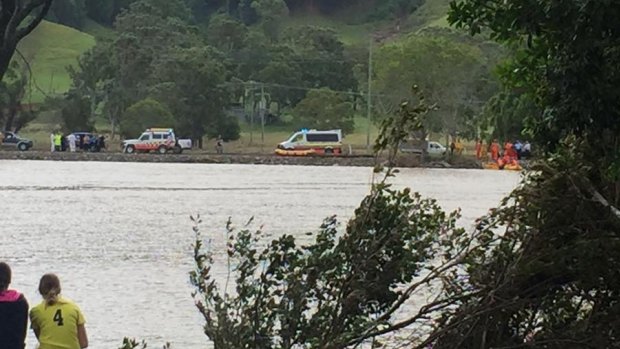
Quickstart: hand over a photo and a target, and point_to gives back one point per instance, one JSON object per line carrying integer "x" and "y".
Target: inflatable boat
{"x": 285, "y": 152}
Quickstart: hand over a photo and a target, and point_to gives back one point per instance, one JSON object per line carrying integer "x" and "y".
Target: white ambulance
{"x": 307, "y": 142}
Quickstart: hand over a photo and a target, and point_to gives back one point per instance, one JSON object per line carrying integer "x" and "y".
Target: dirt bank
{"x": 255, "y": 159}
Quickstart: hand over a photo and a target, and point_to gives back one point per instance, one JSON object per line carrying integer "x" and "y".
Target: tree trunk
{"x": 6, "y": 54}
{"x": 18, "y": 19}
{"x": 8, "y": 125}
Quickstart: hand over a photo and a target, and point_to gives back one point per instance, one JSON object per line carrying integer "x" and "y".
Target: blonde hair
{"x": 49, "y": 288}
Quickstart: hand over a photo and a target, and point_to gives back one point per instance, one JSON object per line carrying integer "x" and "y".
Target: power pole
{"x": 263, "y": 104}
{"x": 369, "y": 98}
{"x": 253, "y": 94}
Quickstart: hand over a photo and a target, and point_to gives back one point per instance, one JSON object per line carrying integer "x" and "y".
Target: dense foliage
{"x": 455, "y": 76}
{"x": 552, "y": 279}
{"x": 324, "y": 109}
{"x": 76, "y": 13}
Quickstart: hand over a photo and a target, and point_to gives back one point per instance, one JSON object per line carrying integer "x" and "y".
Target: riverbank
{"x": 249, "y": 159}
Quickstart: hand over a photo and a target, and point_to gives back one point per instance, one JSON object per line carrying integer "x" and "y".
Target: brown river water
{"x": 119, "y": 234}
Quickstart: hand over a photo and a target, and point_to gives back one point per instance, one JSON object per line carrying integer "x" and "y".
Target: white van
{"x": 312, "y": 142}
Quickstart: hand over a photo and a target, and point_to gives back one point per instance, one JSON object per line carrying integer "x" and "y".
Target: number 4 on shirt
{"x": 58, "y": 318}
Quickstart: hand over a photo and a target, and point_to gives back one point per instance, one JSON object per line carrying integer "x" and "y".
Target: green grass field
{"x": 433, "y": 13}
{"x": 50, "y": 49}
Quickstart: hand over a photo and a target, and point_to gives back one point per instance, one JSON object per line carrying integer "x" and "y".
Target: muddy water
{"x": 119, "y": 234}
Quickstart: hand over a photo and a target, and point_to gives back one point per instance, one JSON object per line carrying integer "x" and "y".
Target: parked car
{"x": 161, "y": 140}
{"x": 11, "y": 140}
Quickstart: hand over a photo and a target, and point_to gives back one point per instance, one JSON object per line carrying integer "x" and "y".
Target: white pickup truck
{"x": 433, "y": 149}
{"x": 161, "y": 140}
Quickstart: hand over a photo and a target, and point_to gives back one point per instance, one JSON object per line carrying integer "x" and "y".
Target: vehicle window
{"x": 298, "y": 138}
{"x": 144, "y": 137}
{"x": 322, "y": 137}
{"x": 158, "y": 136}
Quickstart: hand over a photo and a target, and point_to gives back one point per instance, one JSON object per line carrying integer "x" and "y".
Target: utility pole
{"x": 263, "y": 107}
{"x": 253, "y": 94}
{"x": 369, "y": 98}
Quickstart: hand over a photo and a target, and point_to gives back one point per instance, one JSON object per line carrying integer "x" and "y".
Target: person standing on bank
{"x": 57, "y": 322}
{"x": 13, "y": 313}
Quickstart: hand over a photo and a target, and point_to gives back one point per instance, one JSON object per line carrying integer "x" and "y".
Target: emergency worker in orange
{"x": 479, "y": 148}
{"x": 494, "y": 150}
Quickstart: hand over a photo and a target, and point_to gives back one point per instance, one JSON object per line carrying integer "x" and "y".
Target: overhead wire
{"x": 304, "y": 88}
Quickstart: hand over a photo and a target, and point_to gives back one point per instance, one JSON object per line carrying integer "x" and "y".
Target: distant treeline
{"x": 75, "y": 13}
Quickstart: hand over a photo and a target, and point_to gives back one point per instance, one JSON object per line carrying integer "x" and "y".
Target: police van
{"x": 306, "y": 142}
{"x": 161, "y": 140}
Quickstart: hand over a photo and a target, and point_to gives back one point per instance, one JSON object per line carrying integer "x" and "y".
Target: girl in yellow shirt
{"x": 57, "y": 322}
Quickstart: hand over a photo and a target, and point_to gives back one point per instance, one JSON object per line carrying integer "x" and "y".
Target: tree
{"x": 145, "y": 114}
{"x": 271, "y": 14}
{"x": 71, "y": 13}
{"x": 105, "y": 11}
{"x": 146, "y": 33}
{"x": 322, "y": 60}
{"x": 14, "y": 114}
{"x": 190, "y": 82}
{"x": 226, "y": 33}
{"x": 75, "y": 109}
{"x": 399, "y": 9}
{"x": 246, "y": 12}
{"x": 504, "y": 114}
{"x": 451, "y": 74}
{"x": 18, "y": 19}
{"x": 278, "y": 75}
{"x": 325, "y": 109}
{"x": 87, "y": 77}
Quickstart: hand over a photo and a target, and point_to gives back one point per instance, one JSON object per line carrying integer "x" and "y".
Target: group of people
{"x": 509, "y": 152}
{"x": 56, "y": 322}
{"x": 73, "y": 142}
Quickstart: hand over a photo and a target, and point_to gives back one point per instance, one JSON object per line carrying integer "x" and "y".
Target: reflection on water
{"x": 119, "y": 234}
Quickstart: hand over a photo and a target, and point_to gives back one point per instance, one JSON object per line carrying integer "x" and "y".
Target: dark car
{"x": 12, "y": 140}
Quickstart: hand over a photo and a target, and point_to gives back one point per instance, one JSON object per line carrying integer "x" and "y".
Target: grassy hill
{"x": 50, "y": 48}
{"x": 354, "y": 30}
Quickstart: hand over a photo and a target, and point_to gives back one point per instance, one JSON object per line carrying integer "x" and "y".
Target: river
{"x": 119, "y": 234}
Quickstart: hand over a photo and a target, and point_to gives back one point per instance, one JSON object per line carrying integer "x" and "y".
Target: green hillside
{"x": 50, "y": 48}
{"x": 353, "y": 30}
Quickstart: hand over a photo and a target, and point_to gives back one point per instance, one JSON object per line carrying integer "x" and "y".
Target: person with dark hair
{"x": 57, "y": 322}
{"x": 13, "y": 313}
